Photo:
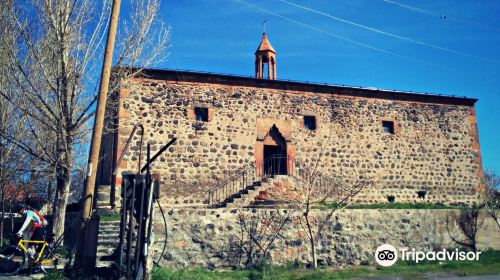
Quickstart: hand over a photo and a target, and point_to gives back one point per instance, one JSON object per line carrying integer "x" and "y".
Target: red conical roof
{"x": 265, "y": 45}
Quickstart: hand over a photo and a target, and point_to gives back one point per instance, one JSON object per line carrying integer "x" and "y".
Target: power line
{"x": 414, "y": 9}
{"x": 345, "y": 38}
{"x": 441, "y": 16}
{"x": 391, "y": 34}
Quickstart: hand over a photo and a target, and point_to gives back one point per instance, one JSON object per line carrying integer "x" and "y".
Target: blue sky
{"x": 448, "y": 47}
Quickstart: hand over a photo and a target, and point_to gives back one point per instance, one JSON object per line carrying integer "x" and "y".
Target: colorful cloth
{"x": 35, "y": 217}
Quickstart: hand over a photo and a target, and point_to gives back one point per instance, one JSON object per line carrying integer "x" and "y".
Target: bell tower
{"x": 265, "y": 54}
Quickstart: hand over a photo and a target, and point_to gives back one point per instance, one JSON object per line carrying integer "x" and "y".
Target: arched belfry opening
{"x": 265, "y": 57}
{"x": 275, "y": 153}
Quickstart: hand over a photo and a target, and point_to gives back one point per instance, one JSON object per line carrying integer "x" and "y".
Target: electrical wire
{"x": 347, "y": 39}
{"x": 392, "y": 35}
{"x": 157, "y": 263}
{"x": 441, "y": 16}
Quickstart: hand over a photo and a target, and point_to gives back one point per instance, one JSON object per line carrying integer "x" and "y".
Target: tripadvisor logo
{"x": 387, "y": 255}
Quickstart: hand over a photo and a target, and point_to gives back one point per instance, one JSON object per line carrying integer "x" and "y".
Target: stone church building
{"x": 417, "y": 147}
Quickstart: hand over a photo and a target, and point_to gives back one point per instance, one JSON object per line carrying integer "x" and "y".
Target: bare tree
{"x": 313, "y": 187}
{"x": 53, "y": 61}
{"x": 340, "y": 193}
{"x": 468, "y": 221}
{"x": 260, "y": 229}
{"x": 14, "y": 164}
{"x": 492, "y": 195}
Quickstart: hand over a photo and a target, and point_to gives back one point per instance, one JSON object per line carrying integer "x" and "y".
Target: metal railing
{"x": 317, "y": 183}
{"x": 246, "y": 177}
{"x": 141, "y": 127}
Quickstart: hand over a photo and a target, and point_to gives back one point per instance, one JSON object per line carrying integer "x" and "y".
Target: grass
{"x": 489, "y": 263}
{"x": 72, "y": 274}
{"x": 390, "y": 206}
{"x": 110, "y": 217}
{"x": 54, "y": 275}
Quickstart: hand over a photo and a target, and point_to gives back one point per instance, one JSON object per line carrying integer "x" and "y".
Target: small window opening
{"x": 201, "y": 114}
{"x": 421, "y": 194}
{"x": 388, "y": 127}
{"x": 310, "y": 122}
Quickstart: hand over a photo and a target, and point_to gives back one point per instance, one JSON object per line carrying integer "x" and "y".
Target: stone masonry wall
{"x": 216, "y": 238}
{"x": 434, "y": 148}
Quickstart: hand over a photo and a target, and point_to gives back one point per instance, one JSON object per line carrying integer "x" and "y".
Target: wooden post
{"x": 83, "y": 260}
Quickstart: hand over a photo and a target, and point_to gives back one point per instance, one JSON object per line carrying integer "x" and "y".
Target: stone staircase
{"x": 246, "y": 196}
{"x": 265, "y": 193}
{"x": 278, "y": 191}
{"x": 273, "y": 184}
{"x": 103, "y": 193}
{"x": 107, "y": 242}
{"x": 109, "y": 231}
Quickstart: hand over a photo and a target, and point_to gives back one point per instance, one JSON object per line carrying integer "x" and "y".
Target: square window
{"x": 201, "y": 114}
{"x": 310, "y": 122}
{"x": 388, "y": 127}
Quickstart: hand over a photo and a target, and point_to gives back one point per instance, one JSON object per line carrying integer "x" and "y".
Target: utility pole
{"x": 84, "y": 255}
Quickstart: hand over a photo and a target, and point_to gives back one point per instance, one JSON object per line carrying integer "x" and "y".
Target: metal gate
{"x": 139, "y": 192}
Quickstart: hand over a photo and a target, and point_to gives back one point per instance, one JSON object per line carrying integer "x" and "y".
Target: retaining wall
{"x": 221, "y": 238}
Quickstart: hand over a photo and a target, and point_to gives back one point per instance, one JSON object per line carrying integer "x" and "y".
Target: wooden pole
{"x": 82, "y": 259}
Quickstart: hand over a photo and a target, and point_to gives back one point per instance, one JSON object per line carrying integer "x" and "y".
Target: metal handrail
{"x": 126, "y": 148}
{"x": 241, "y": 181}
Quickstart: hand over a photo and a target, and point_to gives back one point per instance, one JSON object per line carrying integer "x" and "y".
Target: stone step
{"x": 100, "y": 264}
{"x": 110, "y": 226}
{"x": 105, "y": 254}
{"x": 102, "y": 201}
{"x": 103, "y": 192}
{"x": 250, "y": 192}
{"x": 110, "y": 223}
{"x": 104, "y": 189}
{"x": 109, "y": 234}
{"x": 240, "y": 200}
{"x": 105, "y": 246}
{"x": 105, "y": 209}
{"x": 106, "y": 237}
{"x": 106, "y": 249}
{"x": 242, "y": 196}
{"x": 107, "y": 243}
{"x": 108, "y": 231}
{"x": 248, "y": 198}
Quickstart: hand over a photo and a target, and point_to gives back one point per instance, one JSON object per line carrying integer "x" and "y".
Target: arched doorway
{"x": 275, "y": 153}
